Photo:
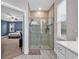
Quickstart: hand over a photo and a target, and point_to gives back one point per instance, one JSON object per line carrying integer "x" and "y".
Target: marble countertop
{"x": 71, "y": 45}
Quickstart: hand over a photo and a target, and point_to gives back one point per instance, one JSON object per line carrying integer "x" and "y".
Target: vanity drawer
{"x": 60, "y": 56}
{"x": 60, "y": 49}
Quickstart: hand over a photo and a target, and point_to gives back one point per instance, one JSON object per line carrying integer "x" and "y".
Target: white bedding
{"x": 14, "y": 34}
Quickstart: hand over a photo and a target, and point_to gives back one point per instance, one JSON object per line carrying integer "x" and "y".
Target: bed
{"x": 14, "y": 35}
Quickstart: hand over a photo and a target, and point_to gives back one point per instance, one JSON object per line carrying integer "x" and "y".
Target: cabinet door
{"x": 60, "y": 56}
{"x": 70, "y": 55}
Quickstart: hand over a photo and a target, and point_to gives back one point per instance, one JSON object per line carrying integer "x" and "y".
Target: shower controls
{"x": 47, "y": 29}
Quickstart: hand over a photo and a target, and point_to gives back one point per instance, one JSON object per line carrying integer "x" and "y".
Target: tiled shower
{"x": 41, "y": 33}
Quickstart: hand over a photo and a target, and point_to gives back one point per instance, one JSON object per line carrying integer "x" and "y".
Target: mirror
{"x": 61, "y": 20}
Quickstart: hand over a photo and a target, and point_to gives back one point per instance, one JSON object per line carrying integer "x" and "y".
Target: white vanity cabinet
{"x": 71, "y": 55}
{"x": 60, "y": 52}
{"x": 64, "y": 52}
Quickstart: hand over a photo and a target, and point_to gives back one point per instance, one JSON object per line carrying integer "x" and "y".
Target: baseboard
{"x": 25, "y": 51}
{"x": 54, "y": 50}
{"x": 4, "y": 36}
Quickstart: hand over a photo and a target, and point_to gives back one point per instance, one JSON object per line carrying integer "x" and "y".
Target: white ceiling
{"x": 8, "y": 12}
{"x": 17, "y": 3}
{"x": 34, "y": 4}
{"x": 43, "y": 4}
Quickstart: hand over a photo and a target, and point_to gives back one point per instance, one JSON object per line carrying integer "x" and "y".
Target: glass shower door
{"x": 41, "y": 34}
{"x": 44, "y": 38}
{"x": 35, "y": 36}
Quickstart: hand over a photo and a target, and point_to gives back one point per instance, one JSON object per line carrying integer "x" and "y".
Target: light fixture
{"x": 12, "y": 17}
{"x": 39, "y": 12}
{"x": 39, "y": 8}
{"x": 16, "y": 18}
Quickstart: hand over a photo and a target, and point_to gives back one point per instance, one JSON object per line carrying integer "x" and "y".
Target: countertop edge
{"x": 67, "y": 47}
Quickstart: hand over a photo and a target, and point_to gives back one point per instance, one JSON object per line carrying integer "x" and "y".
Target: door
{"x": 34, "y": 41}
{"x": 35, "y": 36}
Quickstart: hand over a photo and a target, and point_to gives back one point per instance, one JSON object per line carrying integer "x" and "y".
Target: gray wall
{"x": 72, "y": 19}
{"x": 63, "y": 28}
{"x": 5, "y": 27}
{"x": 18, "y": 26}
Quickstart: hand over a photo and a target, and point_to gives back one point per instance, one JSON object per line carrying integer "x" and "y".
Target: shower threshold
{"x": 40, "y": 47}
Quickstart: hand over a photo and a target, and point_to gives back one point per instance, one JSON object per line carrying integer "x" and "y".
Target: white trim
{"x": 11, "y": 6}
{"x": 55, "y": 50}
{"x": 6, "y": 36}
{"x": 12, "y": 21}
{"x": 26, "y": 51}
{"x": 26, "y": 33}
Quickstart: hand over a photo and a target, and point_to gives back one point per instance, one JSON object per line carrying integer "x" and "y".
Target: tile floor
{"x": 45, "y": 54}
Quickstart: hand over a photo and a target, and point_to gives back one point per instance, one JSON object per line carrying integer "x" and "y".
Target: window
{"x": 12, "y": 27}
